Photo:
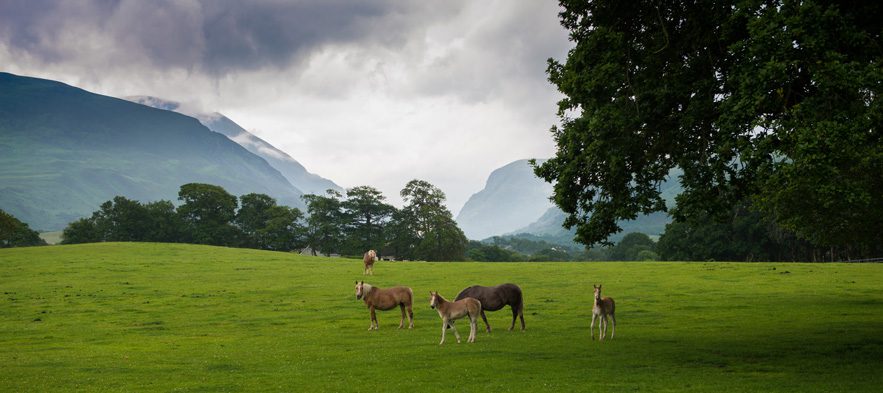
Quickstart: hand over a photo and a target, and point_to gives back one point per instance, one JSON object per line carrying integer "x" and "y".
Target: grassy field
{"x": 156, "y": 317}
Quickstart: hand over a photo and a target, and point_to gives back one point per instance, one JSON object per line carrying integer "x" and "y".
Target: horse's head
{"x": 433, "y": 299}
{"x": 360, "y": 288}
{"x": 597, "y": 291}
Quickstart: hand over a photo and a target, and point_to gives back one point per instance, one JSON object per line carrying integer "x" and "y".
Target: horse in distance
{"x": 369, "y": 258}
{"x": 495, "y": 298}
{"x": 452, "y": 311}
{"x": 601, "y": 308}
{"x": 386, "y": 299}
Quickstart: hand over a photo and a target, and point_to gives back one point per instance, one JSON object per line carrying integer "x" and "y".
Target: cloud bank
{"x": 365, "y": 93}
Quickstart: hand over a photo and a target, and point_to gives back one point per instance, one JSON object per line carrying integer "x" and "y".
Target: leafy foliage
{"x": 425, "y": 219}
{"x": 14, "y": 233}
{"x": 767, "y": 101}
{"x": 208, "y": 212}
{"x": 325, "y": 223}
{"x": 366, "y": 214}
{"x": 634, "y": 247}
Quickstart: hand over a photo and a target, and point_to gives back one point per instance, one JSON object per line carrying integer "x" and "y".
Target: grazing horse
{"x": 369, "y": 258}
{"x": 386, "y": 299}
{"x": 452, "y": 311}
{"x": 495, "y": 298}
{"x": 601, "y": 308}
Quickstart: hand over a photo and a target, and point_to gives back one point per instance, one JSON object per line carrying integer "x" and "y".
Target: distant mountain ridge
{"x": 296, "y": 173}
{"x": 514, "y": 194}
{"x": 513, "y": 197}
{"x": 64, "y": 151}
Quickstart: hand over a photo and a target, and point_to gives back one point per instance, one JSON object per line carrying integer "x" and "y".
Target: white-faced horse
{"x": 386, "y": 299}
{"x": 369, "y": 258}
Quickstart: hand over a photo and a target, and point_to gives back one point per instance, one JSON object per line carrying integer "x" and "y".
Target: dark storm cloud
{"x": 212, "y": 36}
{"x": 245, "y": 35}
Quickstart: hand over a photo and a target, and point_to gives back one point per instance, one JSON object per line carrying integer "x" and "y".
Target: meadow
{"x": 184, "y": 318}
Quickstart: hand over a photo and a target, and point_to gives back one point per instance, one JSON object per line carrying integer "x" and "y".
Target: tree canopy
{"x": 14, "y": 233}
{"x": 770, "y": 102}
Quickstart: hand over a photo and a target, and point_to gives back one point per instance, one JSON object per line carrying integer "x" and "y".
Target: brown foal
{"x": 452, "y": 311}
{"x": 601, "y": 308}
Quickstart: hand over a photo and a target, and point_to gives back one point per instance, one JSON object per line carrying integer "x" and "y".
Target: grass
{"x": 159, "y": 317}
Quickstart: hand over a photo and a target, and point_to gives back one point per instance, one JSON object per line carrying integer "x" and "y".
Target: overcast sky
{"x": 361, "y": 92}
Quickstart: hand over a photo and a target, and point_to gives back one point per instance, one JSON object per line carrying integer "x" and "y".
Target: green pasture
{"x": 157, "y": 317}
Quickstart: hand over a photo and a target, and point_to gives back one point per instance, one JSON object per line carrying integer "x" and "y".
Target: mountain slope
{"x": 296, "y": 174}
{"x": 549, "y": 226}
{"x": 64, "y": 150}
{"x": 512, "y": 198}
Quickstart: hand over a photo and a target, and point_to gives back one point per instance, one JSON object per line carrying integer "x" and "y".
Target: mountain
{"x": 64, "y": 151}
{"x": 296, "y": 174}
{"x": 515, "y": 202}
{"x": 512, "y": 198}
{"x": 550, "y": 227}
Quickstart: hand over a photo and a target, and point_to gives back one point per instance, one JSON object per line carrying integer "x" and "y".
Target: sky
{"x": 361, "y": 92}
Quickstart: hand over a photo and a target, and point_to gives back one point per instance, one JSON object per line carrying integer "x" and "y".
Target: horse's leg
{"x": 410, "y": 317}
{"x": 521, "y": 315}
{"x": 592, "y": 327}
{"x": 514, "y": 317}
{"x": 456, "y": 333}
{"x": 602, "y": 326}
{"x": 613, "y": 333}
{"x": 484, "y": 318}
{"x": 374, "y": 324}
{"x": 402, "y": 321}
{"x": 444, "y": 330}
{"x": 473, "y": 328}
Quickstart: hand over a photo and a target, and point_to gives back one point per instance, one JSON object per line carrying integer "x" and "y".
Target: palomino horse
{"x": 386, "y": 299}
{"x": 601, "y": 308}
{"x": 452, "y": 311}
{"x": 495, "y": 298}
{"x": 369, "y": 258}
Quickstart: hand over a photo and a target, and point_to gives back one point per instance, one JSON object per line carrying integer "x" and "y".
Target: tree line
{"x": 335, "y": 223}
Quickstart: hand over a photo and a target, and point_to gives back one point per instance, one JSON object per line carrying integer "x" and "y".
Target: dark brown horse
{"x": 495, "y": 298}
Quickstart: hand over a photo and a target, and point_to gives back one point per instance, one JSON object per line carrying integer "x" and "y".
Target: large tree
{"x": 430, "y": 224}
{"x": 366, "y": 214}
{"x": 324, "y": 232}
{"x": 268, "y": 226}
{"x": 252, "y": 217}
{"x": 774, "y": 102}
{"x": 208, "y": 212}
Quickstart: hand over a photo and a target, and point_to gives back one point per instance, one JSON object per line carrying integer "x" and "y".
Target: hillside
{"x": 549, "y": 226}
{"x": 513, "y": 197}
{"x": 297, "y": 174}
{"x": 514, "y": 201}
{"x": 64, "y": 151}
